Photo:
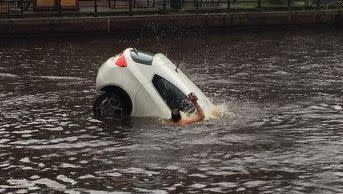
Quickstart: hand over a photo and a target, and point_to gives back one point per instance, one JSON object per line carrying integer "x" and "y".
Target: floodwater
{"x": 281, "y": 133}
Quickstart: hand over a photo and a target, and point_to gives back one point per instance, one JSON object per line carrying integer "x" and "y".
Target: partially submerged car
{"x": 140, "y": 84}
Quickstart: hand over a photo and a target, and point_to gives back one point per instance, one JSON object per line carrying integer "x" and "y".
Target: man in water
{"x": 176, "y": 116}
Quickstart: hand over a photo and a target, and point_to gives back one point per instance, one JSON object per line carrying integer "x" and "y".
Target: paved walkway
{"x": 146, "y": 7}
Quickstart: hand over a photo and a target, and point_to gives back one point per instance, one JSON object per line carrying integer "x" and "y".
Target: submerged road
{"x": 282, "y": 131}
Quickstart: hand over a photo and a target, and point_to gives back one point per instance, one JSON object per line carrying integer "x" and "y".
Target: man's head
{"x": 175, "y": 115}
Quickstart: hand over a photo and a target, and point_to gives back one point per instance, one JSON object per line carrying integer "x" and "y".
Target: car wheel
{"x": 109, "y": 106}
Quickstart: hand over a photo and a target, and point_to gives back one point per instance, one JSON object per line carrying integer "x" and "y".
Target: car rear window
{"x": 142, "y": 57}
{"x": 173, "y": 97}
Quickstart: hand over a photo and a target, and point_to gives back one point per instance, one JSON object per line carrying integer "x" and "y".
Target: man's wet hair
{"x": 175, "y": 115}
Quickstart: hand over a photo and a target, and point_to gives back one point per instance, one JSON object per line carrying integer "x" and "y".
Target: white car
{"x": 141, "y": 84}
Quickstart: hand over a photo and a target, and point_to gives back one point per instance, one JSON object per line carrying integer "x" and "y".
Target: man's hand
{"x": 199, "y": 114}
{"x": 193, "y": 97}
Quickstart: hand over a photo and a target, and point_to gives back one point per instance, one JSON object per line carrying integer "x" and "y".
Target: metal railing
{"x": 31, "y": 8}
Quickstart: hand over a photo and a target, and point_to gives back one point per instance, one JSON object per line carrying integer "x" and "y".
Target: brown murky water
{"x": 283, "y": 131}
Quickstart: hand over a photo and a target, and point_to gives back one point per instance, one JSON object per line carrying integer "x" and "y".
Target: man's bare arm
{"x": 197, "y": 117}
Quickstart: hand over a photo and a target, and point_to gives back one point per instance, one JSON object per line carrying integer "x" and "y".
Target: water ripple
{"x": 281, "y": 132}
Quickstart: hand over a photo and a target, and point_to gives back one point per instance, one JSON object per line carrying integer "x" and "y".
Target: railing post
{"x": 259, "y": 4}
{"x": 289, "y": 3}
{"x": 164, "y": 6}
{"x": 59, "y": 7}
{"x": 196, "y": 6}
{"x": 22, "y": 7}
{"x": 95, "y": 7}
{"x": 228, "y": 4}
{"x": 130, "y": 7}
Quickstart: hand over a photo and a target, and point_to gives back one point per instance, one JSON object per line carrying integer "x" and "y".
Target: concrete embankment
{"x": 119, "y": 24}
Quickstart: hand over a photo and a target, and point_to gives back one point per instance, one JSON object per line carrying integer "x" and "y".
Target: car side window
{"x": 173, "y": 97}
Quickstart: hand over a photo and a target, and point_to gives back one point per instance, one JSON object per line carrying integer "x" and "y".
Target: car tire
{"x": 110, "y": 105}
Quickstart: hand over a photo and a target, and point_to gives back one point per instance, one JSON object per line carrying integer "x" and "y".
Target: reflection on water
{"x": 282, "y": 133}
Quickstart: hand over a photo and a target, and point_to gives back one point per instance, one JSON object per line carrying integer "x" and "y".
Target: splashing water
{"x": 218, "y": 111}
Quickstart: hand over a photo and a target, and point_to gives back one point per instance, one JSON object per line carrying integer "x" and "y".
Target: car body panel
{"x": 150, "y": 104}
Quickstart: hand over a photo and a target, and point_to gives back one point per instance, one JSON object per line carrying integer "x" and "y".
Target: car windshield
{"x": 142, "y": 57}
{"x": 174, "y": 98}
